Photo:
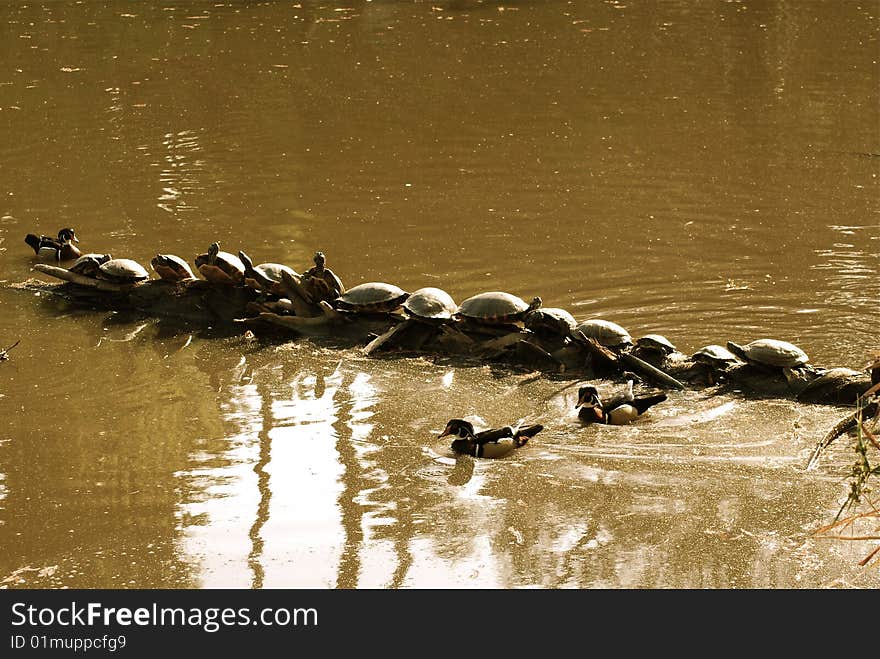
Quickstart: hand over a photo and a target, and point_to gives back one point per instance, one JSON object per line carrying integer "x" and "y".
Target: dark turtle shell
{"x": 605, "y": 333}
{"x": 373, "y": 296}
{"x": 171, "y": 268}
{"x": 89, "y": 265}
{"x": 220, "y": 267}
{"x": 429, "y": 303}
{"x": 656, "y": 343}
{"x": 714, "y": 355}
{"x": 770, "y": 352}
{"x": 841, "y": 386}
{"x": 122, "y": 271}
{"x": 266, "y": 276}
{"x": 496, "y": 307}
{"x": 550, "y": 321}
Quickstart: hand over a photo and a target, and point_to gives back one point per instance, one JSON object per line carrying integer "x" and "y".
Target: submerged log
{"x": 82, "y": 280}
{"x": 193, "y": 301}
{"x": 847, "y": 424}
{"x": 380, "y": 340}
{"x": 643, "y": 368}
{"x": 199, "y": 302}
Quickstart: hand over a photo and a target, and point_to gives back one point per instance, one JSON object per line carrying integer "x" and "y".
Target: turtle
{"x": 429, "y": 304}
{"x": 321, "y": 282}
{"x": 496, "y": 308}
{"x": 122, "y": 271}
{"x": 372, "y": 297}
{"x": 89, "y": 264}
{"x": 171, "y": 268}
{"x": 655, "y": 343}
{"x": 839, "y": 386}
{"x": 604, "y": 332}
{"x": 714, "y": 361}
{"x": 220, "y": 267}
{"x": 715, "y": 356}
{"x": 266, "y": 276}
{"x": 659, "y": 351}
{"x": 770, "y": 353}
{"x": 550, "y": 321}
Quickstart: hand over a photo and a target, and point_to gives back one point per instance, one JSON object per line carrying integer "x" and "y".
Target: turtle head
{"x": 246, "y": 260}
{"x": 320, "y": 260}
{"x": 214, "y": 249}
{"x": 535, "y": 304}
{"x": 737, "y": 350}
{"x": 67, "y": 235}
{"x": 459, "y": 428}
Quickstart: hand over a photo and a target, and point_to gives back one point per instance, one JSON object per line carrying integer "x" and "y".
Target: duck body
{"x": 492, "y": 443}
{"x": 620, "y": 409}
{"x": 60, "y": 248}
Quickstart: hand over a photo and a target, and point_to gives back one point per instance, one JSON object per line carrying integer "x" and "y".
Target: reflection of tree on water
{"x": 364, "y": 478}
{"x": 292, "y": 409}
{"x": 262, "y": 513}
{"x": 622, "y": 527}
{"x": 353, "y": 484}
{"x": 349, "y": 495}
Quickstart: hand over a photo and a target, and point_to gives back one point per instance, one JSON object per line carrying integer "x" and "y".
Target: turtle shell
{"x": 171, "y": 268}
{"x": 266, "y": 276}
{"x": 550, "y": 320}
{"x": 123, "y": 271}
{"x": 373, "y": 296}
{"x": 605, "y": 332}
{"x": 714, "y": 354}
{"x": 89, "y": 264}
{"x": 220, "y": 267}
{"x": 840, "y": 386}
{"x": 656, "y": 343}
{"x": 273, "y": 270}
{"x": 496, "y": 307}
{"x": 770, "y": 352}
{"x": 430, "y": 303}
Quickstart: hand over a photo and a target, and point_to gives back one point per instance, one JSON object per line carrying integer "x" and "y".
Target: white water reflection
{"x": 281, "y": 472}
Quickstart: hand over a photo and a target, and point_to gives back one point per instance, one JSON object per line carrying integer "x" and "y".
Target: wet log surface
{"x": 196, "y": 302}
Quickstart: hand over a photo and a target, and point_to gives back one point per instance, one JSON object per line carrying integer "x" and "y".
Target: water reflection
{"x": 568, "y": 150}
{"x": 180, "y": 175}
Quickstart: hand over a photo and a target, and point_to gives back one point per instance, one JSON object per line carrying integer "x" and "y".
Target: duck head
{"x": 458, "y": 428}
{"x": 588, "y": 396}
{"x": 67, "y": 235}
{"x": 590, "y": 404}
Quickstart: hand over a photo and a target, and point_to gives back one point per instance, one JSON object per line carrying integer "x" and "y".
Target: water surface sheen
{"x": 704, "y": 170}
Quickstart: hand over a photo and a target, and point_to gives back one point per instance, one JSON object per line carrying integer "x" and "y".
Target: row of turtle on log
{"x": 493, "y": 326}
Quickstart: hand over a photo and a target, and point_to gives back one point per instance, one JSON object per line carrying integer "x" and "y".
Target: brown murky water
{"x": 704, "y": 170}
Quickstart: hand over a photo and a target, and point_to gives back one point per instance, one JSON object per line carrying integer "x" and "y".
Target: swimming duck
{"x": 622, "y": 408}
{"x": 59, "y": 249}
{"x": 493, "y": 443}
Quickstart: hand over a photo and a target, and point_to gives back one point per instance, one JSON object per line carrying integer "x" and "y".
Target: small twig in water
{"x": 4, "y": 353}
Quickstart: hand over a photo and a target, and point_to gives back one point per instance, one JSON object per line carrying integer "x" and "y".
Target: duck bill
{"x": 446, "y": 432}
